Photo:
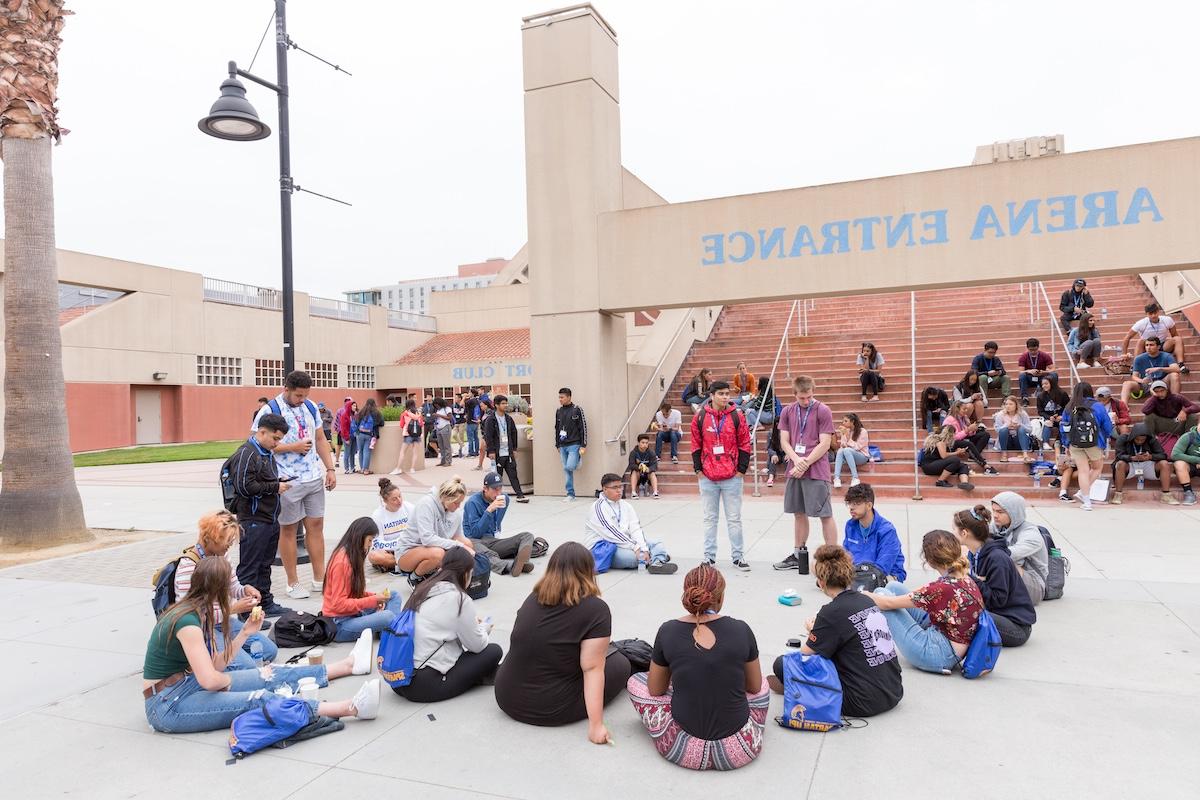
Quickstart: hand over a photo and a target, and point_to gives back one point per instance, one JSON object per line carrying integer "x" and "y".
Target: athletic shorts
{"x": 1086, "y": 454}
{"x": 807, "y": 496}
{"x": 302, "y": 500}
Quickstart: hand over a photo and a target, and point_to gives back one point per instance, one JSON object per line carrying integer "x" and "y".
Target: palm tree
{"x": 39, "y": 503}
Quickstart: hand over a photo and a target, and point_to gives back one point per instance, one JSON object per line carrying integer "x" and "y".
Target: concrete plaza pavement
{"x": 1100, "y": 703}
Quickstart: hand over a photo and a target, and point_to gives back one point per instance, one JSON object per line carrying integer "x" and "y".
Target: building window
{"x": 521, "y": 390}
{"x": 268, "y": 372}
{"x": 360, "y": 376}
{"x": 324, "y": 375}
{"x": 444, "y": 392}
{"x": 218, "y": 371}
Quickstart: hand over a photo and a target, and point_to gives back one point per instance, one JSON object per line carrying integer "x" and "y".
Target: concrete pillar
{"x": 572, "y": 174}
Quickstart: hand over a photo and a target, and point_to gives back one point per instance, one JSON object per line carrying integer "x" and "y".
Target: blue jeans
{"x": 472, "y": 438}
{"x": 851, "y": 458}
{"x": 712, "y": 494}
{"x": 626, "y": 558}
{"x": 348, "y": 447}
{"x": 363, "y": 440}
{"x": 569, "y": 453}
{"x": 1022, "y": 439}
{"x": 350, "y": 628}
{"x": 762, "y": 418}
{"x": 187, "y": 708}
{"x": 922, "y": 645}
{"x": 667, "y": 436}
{"x": 244, "y": 659}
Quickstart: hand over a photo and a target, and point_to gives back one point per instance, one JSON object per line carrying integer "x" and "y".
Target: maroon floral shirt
{"x": 953, "y": 605}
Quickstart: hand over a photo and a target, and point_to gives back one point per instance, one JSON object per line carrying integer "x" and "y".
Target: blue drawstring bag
{"x": 984, "y": 650}
{"x": 603, "y": 553}
{"x": 396, "y": 646}
{"x": 874, "y": 454}
{"x": 812, "y": 694}
{"x": 1044, "y": 467}
{"x": 278, "y": 722}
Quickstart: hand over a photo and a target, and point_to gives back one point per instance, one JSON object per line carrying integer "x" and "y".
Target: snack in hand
{"x": 256, "y": 613}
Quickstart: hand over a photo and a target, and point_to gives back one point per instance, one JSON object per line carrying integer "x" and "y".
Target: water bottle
{"x": 1141, "y": 481}
{"x": 1037, "y": 479}
{"x": 256, "y": 651}
{"x": 1104, "y": 313}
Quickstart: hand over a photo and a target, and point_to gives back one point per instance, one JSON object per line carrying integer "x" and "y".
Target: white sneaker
{"x": 837, "y": 483}
{"x": 366, "y": 699}
{"x": 297, "y": 592}
{"x": 396, "y": 472}
{"x": 1087, "y": 505}
{"x": 855, "y": 482}
{"x": 318, "y": 586}
{"x": 569, "y": 498}
{"x": 362, "y": 653}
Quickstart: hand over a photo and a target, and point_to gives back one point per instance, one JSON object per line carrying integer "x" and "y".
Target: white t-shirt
{"x": 444, "y": 417}
{"x": 391, "y": 525}
{"x": 1145, "y": 328}
{"x": 672, "y": 422}
{"x": 862, "y": 362}
{"x": 301, "y": 467}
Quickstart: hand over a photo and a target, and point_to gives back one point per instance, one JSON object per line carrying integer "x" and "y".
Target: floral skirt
{"x": 680, "y": 747}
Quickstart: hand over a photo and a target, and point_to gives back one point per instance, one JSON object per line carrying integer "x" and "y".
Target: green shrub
{"x": 391, "y": 413}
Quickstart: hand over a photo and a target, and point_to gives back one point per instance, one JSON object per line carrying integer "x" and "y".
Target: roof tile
{"x": 493, "y": 345}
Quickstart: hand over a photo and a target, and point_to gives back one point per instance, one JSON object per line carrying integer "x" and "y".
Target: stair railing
{"x": 918, "y": 418}
{"x": 650, "y": 381}
{"x": 771, "y": 390}
{"x": 1056, "y": 334}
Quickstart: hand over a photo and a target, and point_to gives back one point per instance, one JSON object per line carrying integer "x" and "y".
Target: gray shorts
{"x": 807, "y": 496}
{"x": 302, "y": 500}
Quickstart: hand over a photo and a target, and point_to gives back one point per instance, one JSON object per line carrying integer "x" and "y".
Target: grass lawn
{"x": 158, "y": 453}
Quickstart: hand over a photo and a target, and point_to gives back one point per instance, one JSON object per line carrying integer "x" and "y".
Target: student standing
{"x": 443, "y": 423}
{"x": 412, "y": 425}
{"x": 570, "y": 437}
{"x": 806, "y": 431}
{"x": 459, "y": 435}
{"x": 500, "y": 444}
{"x": 369, "y": 421}
{"x": 720, "y": 457}
{"x": 472, "y": 414}
{"x": 257, "y": 487}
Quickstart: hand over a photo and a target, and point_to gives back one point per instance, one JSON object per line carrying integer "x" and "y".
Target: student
{"x": 1166, "y": 412}
{"x": 557, "y": 671}
{"x": 1051, "y": 401}
{"x": 720, "y": 457}
{"x": 344, "y": 417}
{"x": 613, "y": 520}
{"x": 451, "y": 650}
{"x": 1005, "y": 595}
{"x": 257, "y": 487}
{"x": 1027, "y": 547}
{"x": 327, "y": 427}
{"x": 642, "y": 467}
{"x": 1139, "y": 453}
{"x": 1186, "y": 455}
{"x": 806, "y": 431}
{"x": 345, "y": 599}
{"x": 699, "y": 390}
{"x": 500, "y": 444}
{"x": 969, "y": 391}
{"x": 1084, "y": 342}
{"x": 185, "y": 681}
{"x": 938, "y": 458}
{"x": 775, "y": 455}
{"x": 668, "y": 427}
{"x": 1160, "y": 326}
{"x": 742, "y": 383}
{"x": 434, "y": 528}
{"x": 935, "y": 405}
{"x": 483, "y": 517}
{"x": 870, "y": 375}
{"x": 1074, "y": 303}
{"x": 852, "y": 443}
{"x": 1150, "y": 366}
{"x": 870, "y": 538}
{"x": 762, "y": 409}
{"x": 1012, "y": 429}
{"x": 1089, "y": 460}
{"x": 570, "y": 437}
{"x": 1035, "y": 365}
{"x": 472, "y": 415}
{"x": 392, "y": 518}
{"x": 369, "y": 421}
{"x": 1118, "y": 411}
{"x": 704, "y": 701}
{"x": 217, "y": 533}
{"x": 1065, "y": 466}
{"x": 991, "y": 370}
{"x": 443, "y": 427}
{"x": 932, "y": 627}
{"x": 851, "y": 632}
{"x": 458, "y": 436}
{"x": 412, "y": 424}
{"x": 970, "y": 438}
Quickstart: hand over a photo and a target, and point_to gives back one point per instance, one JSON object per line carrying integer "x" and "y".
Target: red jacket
{"x": 344, "y": 420}
{"x": 734, "y": 436}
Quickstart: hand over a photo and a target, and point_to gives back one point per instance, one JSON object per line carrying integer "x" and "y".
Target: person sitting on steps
{"x": 970, "y": 438}
{"x": 1186, "y": 455}
{"x": 852, "y": 452}
{"x": 870, "y": 372}
{"x": 1084, "y": 342}
{"x": 935, "y": 405}
{"x": 1051, "y": 401}
{"x": 970, "y": 391}
{"x": 1150, "y": 366}
{"x": 991, "y": 370}
{"x": 1004, "y": 594}
{"x": 1139, "y": 453}
{"x": 614, "y": 520}
{"x": 1013, "y": 428}
{"x": 1158, "y": 325}
{"x": 1035, "y": 364}
{"x": 939, "y": 459}
{"x": 742, "y": 386}
{"x": 483, "y": 517}
{"x": 697, "y": 392}
{"x": 1168, "y": 413}
{"x": 668, "y": 426}
{"x": 642, "y": 467}
{"x": 1074, "y": 303}
{"x": 1118, "y": 411}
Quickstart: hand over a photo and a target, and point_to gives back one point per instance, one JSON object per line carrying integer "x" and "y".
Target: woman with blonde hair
{"x": 937, "y": 458}
{"x": 435, "y": 527}
{"x": 932, "y": 626}
{"x": 704, "y": 701}
{"x": 1013, "y": 427}
{"x": 558, "y": 668}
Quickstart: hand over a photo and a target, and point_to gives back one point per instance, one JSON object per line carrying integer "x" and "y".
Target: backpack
{"x": 413, "y": 428}
{"x": 1084, "y": 432}
{"x": 277, "y": 722}
{"x": 812, "y": 694}
{"x": 868, "y": 577}
{"x": 603, "y": 552}
{"x": 984, "y": 650}
{"x": 164, "y": 582}
{"x": 481, "y": 578}
{"x": 540, "y": 547}
{"x": 737, "y": 423}
{"x": 396, "y": 648}
{"x": 273, "y": 404}
{"x": 300, "y": 629}
{"x": 228, "y": 495}
{"x": 1059, "y": 567}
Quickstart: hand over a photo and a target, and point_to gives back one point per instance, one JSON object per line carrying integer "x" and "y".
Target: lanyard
{"x": 616, "y": 509}
{"x": 298, "y": 418}
{"x": 804, "y": 419}
{"x": 718, "y": 424}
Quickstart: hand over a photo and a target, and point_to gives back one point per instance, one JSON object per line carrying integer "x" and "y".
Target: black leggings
{"x": 1012, "y": 634}
{"x": 937, "y": 466}
{"x": 430, "y": 686}
{"x": 975, "y": 444}
{"x": 871, "y": 381}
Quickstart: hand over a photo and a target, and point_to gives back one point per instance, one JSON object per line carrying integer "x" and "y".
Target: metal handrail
{"x": 650, "y": 382}
{"x": 918, "y": 420}
{"x": 1058, "y": 331}
{"x": 771, "y": 390}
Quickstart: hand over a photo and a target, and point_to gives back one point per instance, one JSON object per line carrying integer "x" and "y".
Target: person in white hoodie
{"x": 614, "y": 521}
{"x": 1025, "y": 542}
{"x": 451, "y": 651}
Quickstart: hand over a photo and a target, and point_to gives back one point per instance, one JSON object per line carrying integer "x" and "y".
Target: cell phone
{"x": 795, "y": 642}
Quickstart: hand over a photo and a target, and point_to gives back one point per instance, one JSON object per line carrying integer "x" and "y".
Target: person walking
{"x": 500, "y": 443}
{"x": 570, "y": 437}
{"x": 720, "y": 457}
{"x": 411, "y": 426}
{"x": 805, "y": 432}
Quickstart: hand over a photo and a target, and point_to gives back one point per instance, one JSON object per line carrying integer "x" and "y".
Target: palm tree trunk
{"x": 39, "y": 502}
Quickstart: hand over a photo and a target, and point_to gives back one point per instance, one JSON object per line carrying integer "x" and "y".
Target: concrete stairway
{"x": 950, "y": 328}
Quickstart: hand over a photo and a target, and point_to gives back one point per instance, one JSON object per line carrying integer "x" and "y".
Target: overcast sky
{"x": 426, "y": 139}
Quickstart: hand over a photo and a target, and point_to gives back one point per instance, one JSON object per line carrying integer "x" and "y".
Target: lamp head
{"x": 232, "y": 117}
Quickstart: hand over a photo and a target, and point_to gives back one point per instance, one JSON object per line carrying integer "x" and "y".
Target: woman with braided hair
{"x": 704, "y": 700}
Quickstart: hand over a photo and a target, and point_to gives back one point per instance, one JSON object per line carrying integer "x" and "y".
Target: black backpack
{"x": 868, "y": 577}
{"x": 228, "y": 495}
{"x": 737, "y": 422}
{"x": 1084, "y": 432}
{"x": 413, "y": 428}
{"x": 164, "y": 582}
{"x": 300, "y": 629}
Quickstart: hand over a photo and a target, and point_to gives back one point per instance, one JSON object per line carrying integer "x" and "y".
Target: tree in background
{"x": 39, "y": 502}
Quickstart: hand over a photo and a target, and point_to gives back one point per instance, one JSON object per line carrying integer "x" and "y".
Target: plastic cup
{"x": 316, "y": 656}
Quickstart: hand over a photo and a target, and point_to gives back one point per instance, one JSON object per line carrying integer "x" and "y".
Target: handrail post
{"x": 770, "y": 388}
{"x": 912, "y": 315}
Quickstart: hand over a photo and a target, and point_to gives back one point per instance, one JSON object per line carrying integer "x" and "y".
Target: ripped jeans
{"x": 186, "y": 707}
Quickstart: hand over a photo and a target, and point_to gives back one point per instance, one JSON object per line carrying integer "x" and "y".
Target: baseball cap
{"x": 492, "y": 481}
{"x": 1158, "y": 385}
{"x": 1104, "y": 391}
{"x": 320, "y": 405}
{"x": 1080, "y": 282}
{"x": 347, "y": 398}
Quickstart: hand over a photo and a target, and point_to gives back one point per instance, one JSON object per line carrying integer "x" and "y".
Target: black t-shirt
{"x": 709, "y": 686}
{"x": 852, "y": 632}
{"x": 540, "y": 678}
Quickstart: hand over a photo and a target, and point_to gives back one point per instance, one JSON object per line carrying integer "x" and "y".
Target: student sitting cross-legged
{"x": 870, "y": 537}
{"x": 614, "y": 520}
{"x": 1004, "y": 594}
{"x": 852, "y": 633}
{"x": 392, "y": 518}
{"x": 451, "y": 652}
{"x": 1139, "y": 453}
{"x": 704, "y": 701}
{"x": 345, "y": 599}
{"x": 185, "y": 681}
{"x": 483, "y": 517}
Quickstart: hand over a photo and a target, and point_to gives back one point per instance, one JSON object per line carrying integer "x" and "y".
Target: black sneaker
{"x": 274, "y": 610}
{"x": 943, "y": 484}
{"x": 791, "y": 562}
{"x": 1057, "y": 482}
{"x": 709, "y": 562}
{"x": 990, "y": 470}
{"x": 1184, "y": 369}
{"x": 662, "y": 568}
{"x": 414, "y": 578}
{"x": 741, "y": 565}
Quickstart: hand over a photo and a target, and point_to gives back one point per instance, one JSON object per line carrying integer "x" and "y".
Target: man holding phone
{"x": 257, "y": 488}
{"x": 483, "y": 517}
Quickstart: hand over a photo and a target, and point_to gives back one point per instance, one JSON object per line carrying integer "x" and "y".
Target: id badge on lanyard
{"x": 718, "y": 448}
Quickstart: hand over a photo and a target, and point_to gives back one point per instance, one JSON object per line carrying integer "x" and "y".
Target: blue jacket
{"x": 478, "y": 522}
{"x": 1104, "y": 426}
{"x": 1000, "y": 583}
{"x": 879, "y": 545}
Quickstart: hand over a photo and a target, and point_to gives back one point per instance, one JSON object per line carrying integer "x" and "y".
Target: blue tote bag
{"x": 812, "y": 693}
{"x": 603, "y": 553}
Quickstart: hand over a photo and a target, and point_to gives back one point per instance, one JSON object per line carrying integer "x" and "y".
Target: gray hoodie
{"x": 443, "y": 629}
{"x": 1025, "y": 544}
{"x": 430, "y": 526}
